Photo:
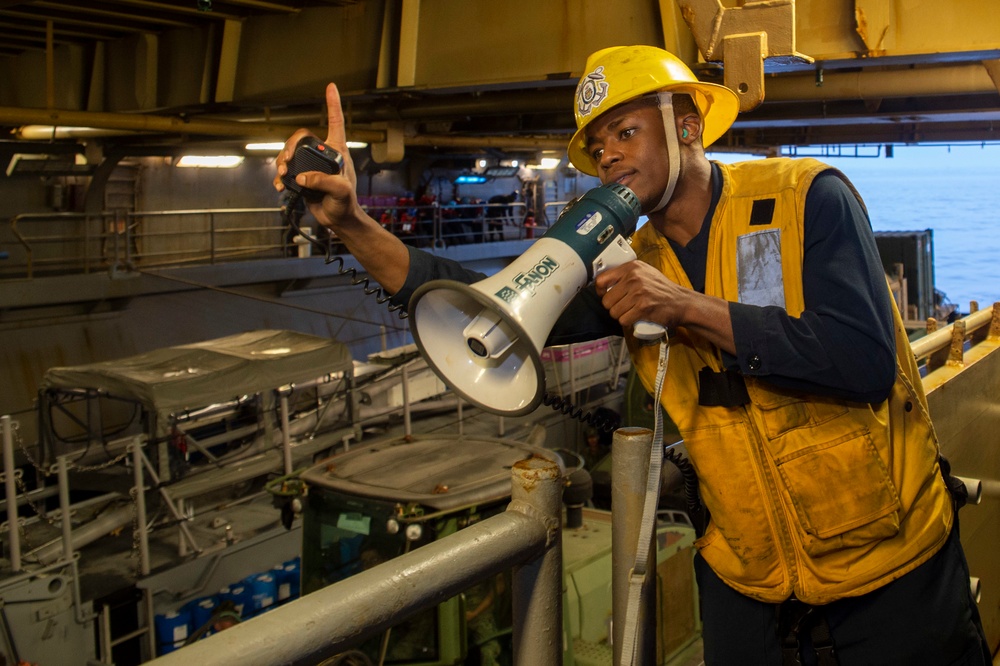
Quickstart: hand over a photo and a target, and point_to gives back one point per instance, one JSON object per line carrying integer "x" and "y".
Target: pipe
{"x": 973, "y": 488}
{"x": 957, "y": 79}
{"x": 537, "y": 585}
{"x": 143, "y": 122}
{"x": 629, "y": 469}
{"x": 62, "y": 468}
{"x": 46, "y": 120}
{"x": 407, "y": 426}
{"x": 32, "y": 496}
{"x": 286, "y": 440}
{"x": 11, "y": 493}
{"x": 140, "y": 507}
{"x": 991, "y": 488}
{"x": 930, "y": 343}
{"x": 83, "y": 535}
{"x": 953, "y": 79}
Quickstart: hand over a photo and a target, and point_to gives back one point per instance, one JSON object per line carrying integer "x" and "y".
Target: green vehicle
{"x": 380, "y": 500}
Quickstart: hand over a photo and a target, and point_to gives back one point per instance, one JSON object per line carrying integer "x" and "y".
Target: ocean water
{"x": 955, "y": 192}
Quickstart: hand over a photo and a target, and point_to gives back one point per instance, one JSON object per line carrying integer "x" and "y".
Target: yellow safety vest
{"x": 816, "y": 496}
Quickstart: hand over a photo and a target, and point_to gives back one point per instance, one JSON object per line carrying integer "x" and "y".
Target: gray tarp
{"x": 173, "y": 379}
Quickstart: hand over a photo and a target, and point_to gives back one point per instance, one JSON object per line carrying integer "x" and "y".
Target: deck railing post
{"x": 537, "y": 594}
{"x": 9, "y": 470}
{"x": 629, "y": 469}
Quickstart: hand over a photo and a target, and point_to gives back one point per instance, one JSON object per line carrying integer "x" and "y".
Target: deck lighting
{"x": 210, "y": 161}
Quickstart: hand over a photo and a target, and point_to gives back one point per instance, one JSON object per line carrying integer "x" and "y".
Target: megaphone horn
{"x": 484, "y": 340}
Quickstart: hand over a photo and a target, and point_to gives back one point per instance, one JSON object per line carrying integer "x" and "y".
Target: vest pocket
{"x": 842, "y": 494}
{"x": 782, "y": 411}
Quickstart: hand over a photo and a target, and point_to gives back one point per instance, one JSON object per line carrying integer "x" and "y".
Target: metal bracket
{"x": 391, "y": 150}
{"x": 742, "y": 38}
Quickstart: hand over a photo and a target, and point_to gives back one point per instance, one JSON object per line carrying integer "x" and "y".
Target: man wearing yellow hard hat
{"x": 830, "y": 531}
{"x": 790, "y": 379}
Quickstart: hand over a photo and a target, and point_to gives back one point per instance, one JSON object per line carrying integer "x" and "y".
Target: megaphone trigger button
{"x": 604, "y": 235}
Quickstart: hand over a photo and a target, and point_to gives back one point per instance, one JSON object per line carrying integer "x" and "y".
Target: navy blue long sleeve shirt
{"x": 841, "y": 346}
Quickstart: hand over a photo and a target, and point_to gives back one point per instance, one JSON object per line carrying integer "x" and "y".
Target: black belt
{"x": 804, "y": 635}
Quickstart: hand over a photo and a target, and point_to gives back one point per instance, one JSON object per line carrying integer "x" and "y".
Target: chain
{"x": 42, "y": 513}
{"x": 103, "y": 465}
{"x": 80, "y": 468}
{"x": 23, "y": 488}
{"x": 15, "y": 427}
{"x": 17, "y": 519}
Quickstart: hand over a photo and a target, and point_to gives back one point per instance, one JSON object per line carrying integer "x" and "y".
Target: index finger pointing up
{"x": 335, "y": 135}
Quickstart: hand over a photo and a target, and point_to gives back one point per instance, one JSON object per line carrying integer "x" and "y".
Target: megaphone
{"x": 484, "y": 340}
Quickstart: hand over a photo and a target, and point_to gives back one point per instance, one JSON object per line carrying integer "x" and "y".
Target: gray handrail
{"x": 70, "y": 243}
{"x": 335, "y": 618}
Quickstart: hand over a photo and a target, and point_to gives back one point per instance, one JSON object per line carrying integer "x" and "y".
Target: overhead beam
{"x": 225, "y": 82}
{"x": 408, "y": 50}
{"x": 82, "y": 8}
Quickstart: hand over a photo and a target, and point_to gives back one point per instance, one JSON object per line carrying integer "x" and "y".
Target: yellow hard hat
{"x": 623, "y": 73}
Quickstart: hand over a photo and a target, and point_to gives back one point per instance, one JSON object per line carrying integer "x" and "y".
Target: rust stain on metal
{"x": 535, "y": 469}
{"x": 995, "y": 322}
{"x": 687, "y": 13}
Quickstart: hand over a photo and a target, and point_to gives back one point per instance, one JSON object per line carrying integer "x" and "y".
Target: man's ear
{"x": 689, "y": 128}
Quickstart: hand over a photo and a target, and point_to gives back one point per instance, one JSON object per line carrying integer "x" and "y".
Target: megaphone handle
{"x": 647, "y": 330}
{"x": 618, "y": 253}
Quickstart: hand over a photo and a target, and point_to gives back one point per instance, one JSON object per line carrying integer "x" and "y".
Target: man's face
{"x": 629, "y": 147}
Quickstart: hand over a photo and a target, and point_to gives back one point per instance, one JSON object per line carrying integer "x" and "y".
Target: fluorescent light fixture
{"x": 211, "y": 161}
{"x": 545, "y": 164}
{"x": 274, "y": 146}
{"x": 271, "y": 146}
{"x": 502, "y": 172}
{"x": 468, "y": 178}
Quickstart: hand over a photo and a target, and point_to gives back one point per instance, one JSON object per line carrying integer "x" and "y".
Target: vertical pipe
{"x": 629, "y": 469}
{"x": 406, "y": 401}
{"x": 182, "y": 545}
{"x": 147, "y": 598}
{"x": 104, "y": 628}
{"x": 286, "y": 440}
{"x": 62, "y": 467}
{"x": 461, "y": 423}
{"x": 11, "y": 493}
{"x": 537, "y": 585}
{"x": 140, "y": 507}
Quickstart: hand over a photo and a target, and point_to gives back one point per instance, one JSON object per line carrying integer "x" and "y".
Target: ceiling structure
{"x": 443, "y": 77}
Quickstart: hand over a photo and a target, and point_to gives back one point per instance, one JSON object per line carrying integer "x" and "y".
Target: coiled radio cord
{"x": 292, "y": 210}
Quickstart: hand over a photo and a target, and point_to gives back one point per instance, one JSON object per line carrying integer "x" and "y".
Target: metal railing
{"x": 337, "y": 617}
{"x": 45, "y": 244}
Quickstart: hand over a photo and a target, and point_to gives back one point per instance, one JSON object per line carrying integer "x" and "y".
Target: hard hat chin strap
{"x": 665, "y": 101}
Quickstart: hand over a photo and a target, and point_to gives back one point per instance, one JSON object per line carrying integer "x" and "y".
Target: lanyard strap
{"x": 638, "y": 572}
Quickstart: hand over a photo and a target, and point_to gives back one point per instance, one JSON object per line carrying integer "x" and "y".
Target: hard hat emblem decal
{"x": 591, "y": 91}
